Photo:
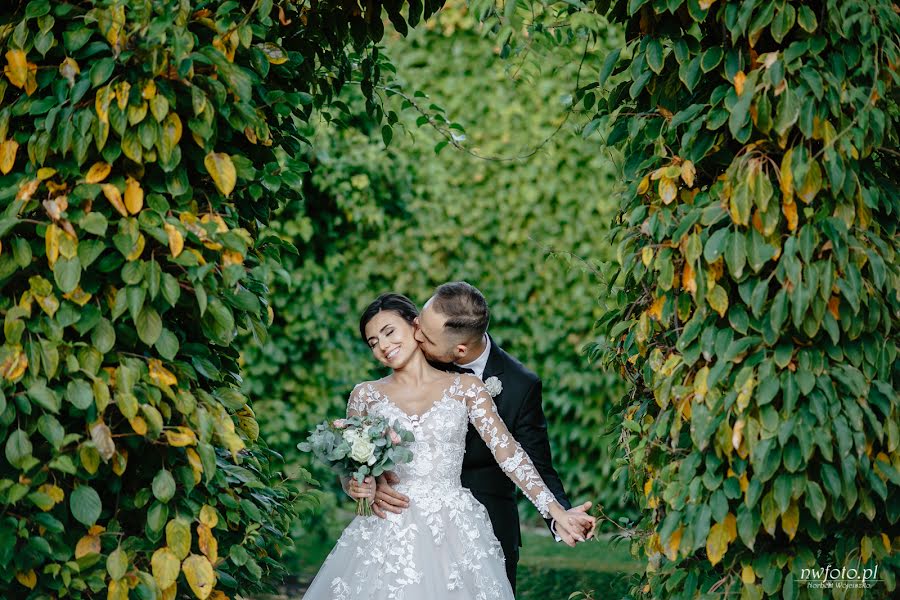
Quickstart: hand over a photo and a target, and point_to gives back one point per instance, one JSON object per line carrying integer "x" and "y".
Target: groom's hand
{"x": 567, "y": 535}
{"x": 387, "y": 498}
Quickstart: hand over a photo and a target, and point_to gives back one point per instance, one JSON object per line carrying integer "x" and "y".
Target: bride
{"x": 442, "y": 547}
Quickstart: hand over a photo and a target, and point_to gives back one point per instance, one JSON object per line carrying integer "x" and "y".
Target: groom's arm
{"x": 531, "y": 433}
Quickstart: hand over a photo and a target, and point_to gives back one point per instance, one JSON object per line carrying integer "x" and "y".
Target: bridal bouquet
{"x": 359, "y": 446}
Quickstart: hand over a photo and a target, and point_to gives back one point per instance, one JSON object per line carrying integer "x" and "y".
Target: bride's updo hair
{"x": 396, "y": 303}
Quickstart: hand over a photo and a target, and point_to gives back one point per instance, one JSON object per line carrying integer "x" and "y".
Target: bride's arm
{"x": 508, "y": 453}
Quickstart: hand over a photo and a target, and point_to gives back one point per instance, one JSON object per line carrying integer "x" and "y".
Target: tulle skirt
{"x": 440, "y": 548}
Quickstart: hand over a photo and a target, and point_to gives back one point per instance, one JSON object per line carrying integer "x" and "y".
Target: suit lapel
{"x": 494, "y": 365}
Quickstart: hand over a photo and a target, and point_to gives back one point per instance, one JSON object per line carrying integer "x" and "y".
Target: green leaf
{"x": 79, "y": 393}
{"x": 788, "y": 111}
{"x": 654, "y": 55}
{"x": 117, "y": 563}
{"x": 806, "y": 18}
{"x": 85, "y": 505}
{"x": 815, "y": 500}
{"x": 52, "y": 430}
{"x": 18, "y": 448}
{"x": 149, "y": 325}
{"x": 163, "y": 486}
{"x": 711, "y": 58}
{"x": 736, "y": 255}
{"x": 609, "y": 63}
{"x": 43, "y": 396}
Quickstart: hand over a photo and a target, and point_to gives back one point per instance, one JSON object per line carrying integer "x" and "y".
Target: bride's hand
{"x": 366, "y": 489}
{"x": 573, "y": 525}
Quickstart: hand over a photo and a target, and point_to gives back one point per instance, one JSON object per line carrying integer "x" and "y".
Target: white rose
{"x": 350, "y": 435}
{"x": 362, "y": 450}
{"x": 494, "y": 386}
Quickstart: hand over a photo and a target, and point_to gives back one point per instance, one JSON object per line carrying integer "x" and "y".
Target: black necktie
{"x": 465, "y": 370}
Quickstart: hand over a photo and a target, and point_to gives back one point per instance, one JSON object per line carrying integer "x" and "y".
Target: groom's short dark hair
{"x": 465, "y": 308}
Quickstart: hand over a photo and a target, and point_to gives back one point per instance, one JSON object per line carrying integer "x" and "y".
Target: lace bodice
{"x": 440, "y": 434}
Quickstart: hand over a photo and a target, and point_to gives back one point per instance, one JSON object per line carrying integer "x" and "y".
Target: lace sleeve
{"x": 506, "y": 450}
{"x": 356, "y": 405}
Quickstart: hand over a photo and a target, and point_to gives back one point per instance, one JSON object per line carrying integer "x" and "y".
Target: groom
{"x": 452, "y": 329}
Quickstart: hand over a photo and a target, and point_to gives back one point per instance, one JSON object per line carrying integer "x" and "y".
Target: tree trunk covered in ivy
{"x": 757, "y": 251}
{"x": 143, "y": 146}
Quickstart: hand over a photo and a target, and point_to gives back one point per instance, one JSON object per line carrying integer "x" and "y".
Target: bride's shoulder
{"x": 468, "y": 384}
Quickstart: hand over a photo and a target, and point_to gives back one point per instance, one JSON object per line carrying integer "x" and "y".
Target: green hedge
{"x": 405, "y": 219}
{"x": 758, "y": 319}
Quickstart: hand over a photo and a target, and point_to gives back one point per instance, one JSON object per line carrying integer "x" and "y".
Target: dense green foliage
{"x": 143, "y": 145}
{"x": 758, "y": 308}
{"x": 406, "y": 219}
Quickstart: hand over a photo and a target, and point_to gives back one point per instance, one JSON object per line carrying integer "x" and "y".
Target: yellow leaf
{"x": 716, "y": 543}
{"x": 643, "y": 186}
{"x": 865, "y": 548}
{"x": 27, "y": 578}
{"x": 134, "y": 196}
{"x": 221, "y": 169}
{"x": 45, "y": 173}
{"x": 120, "y": 461}
{"x": 138, "y": 248}
{"x": 200, "y": 575}
{"x": 122, "y": 90}
{"x": 886, "y": 541}
{"x": 181, "y": 437}
{"x": 69, "y": 69}
{"x": 671, "y": 547}
{"x": 207, "y": 542}
{"x": 101, "y": 103}
{"x": 232, "y": 257}
{"x": 787, "y": 177}
{"x": 27, "y": 190}
{"x": 178, "y": 537}
{"x": 101, "y": 436}
{"x": 196, "y": 463}
{"x": 790, "y": 213}
{"x": 790, "y": 520}
{"x": 149, "y": 90}
{"x": 718, "y": 299}
{"x": 647, "y": 256}
{"x": 20, "y": 72}
{"x": 275, "y": 54}
{"x": 688, "y": 173}
{"x": 737, "y": 435}
{"x": 210, "y": 518}
{"x": 165, "y": 567}
{"x": 730, "y": 524}
{"x": 667, "y": 190}
{"x": 159, "y": 374}
{"x": 747, "y": 574}
{"x": 739, "y": 80}
{"x": 98, "y": 172}
{"x": 170, "y": 592}
{"x": 78, "y": 296}
{"x": 689, "y": 278}
{"x": 89, "y": 544}
{"x": 705, "y": 4}
{"x": 89, "y": 458}
{"x": 54, "y": 491}
{"x": 176, "y": 240}
{"x": 114, "y": 196}
{"x": 8, "y": 151}
{"x": 15, "y": 364}
{"x": 138, "y": 424}
{"x": 655, "y": 311}
{"x": 51, "y": 243}
{"x": 117, "y": 589}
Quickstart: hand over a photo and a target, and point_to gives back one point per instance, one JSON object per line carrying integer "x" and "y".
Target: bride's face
{"x": 391, "y": 339}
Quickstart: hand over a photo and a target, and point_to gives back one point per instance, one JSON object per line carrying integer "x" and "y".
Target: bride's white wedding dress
{"x": 442, "y": 547}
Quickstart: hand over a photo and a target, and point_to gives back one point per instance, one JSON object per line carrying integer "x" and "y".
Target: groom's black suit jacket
{"x": 519, "y": 405}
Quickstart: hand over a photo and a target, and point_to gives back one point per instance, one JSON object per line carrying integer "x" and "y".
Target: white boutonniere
{"x": 493, "y": 386}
